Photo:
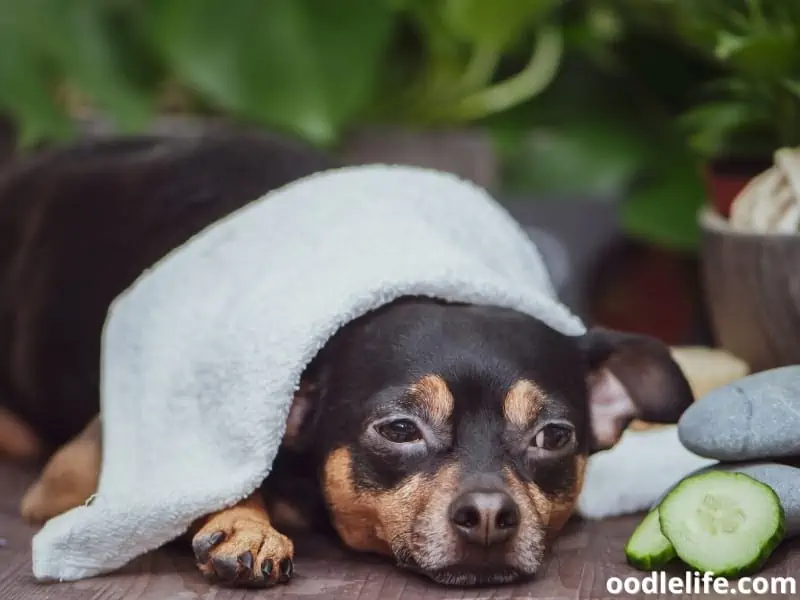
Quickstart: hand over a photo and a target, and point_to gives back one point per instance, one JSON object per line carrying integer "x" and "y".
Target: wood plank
{"x": 580, "y": 564}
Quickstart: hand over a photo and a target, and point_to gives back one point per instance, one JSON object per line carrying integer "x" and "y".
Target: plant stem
{"x": 535, "y": 77}
{"x": 757, "y": 14}
{"x": 481, "y": 66}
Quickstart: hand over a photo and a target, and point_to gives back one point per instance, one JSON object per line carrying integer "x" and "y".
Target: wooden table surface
{"x": 584, "y": 558}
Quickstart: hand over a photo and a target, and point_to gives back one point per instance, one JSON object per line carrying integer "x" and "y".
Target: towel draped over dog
{"x": 202, "y": 354}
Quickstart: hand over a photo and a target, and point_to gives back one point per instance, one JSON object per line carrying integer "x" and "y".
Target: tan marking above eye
{"x": 434, "y": 397}
{"x": 522, "y": 403}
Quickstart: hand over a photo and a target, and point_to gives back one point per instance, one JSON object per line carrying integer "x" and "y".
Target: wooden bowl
{"x": 752, "y": 287}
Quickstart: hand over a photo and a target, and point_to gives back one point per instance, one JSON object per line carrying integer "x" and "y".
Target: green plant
{"x": 587, "y": 98}
{"x": 752, "y": 106}
{"x": 314, "y": 68}
{"x": 462, "y": 45}
{"x": 683, "y": 82}
{"x": 606, "y": 127}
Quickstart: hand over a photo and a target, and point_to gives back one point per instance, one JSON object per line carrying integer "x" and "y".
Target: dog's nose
{"x": 485, "y": 518}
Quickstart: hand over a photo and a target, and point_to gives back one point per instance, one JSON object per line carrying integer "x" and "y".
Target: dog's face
{"x": 454, "y": 438}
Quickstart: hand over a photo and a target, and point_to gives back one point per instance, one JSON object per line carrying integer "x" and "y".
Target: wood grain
{"x": 585, "y": 556}
{"x": 752, "y": 286}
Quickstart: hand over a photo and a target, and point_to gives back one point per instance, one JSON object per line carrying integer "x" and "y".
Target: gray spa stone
{"x": 755, "y": 418}
{"x": 783, "y": 479}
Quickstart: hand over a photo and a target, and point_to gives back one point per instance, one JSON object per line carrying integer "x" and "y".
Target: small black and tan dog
{"x": 452, "y": 438}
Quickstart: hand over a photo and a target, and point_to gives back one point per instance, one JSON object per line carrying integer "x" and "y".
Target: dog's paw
{"x": 236, "y": 547}
{"x": 43, "y": 501}
{"x": 68, "y": 480}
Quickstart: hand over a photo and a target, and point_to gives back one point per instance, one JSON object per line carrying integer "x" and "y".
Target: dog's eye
{"x": 552, "y": 437}
{"x": 400, "y": 431}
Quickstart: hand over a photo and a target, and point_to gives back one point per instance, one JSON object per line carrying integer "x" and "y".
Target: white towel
{"x": 201, "y": 356}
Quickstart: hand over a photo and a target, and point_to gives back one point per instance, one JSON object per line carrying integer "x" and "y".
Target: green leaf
{"x": 713, "y": 126}
{"x": 710, "y": 125}
{"x": 663, "y": 209}
{"x": 77, "y": 39}
{"x": 496, "y": 23}
{"x": 770, "y": 55}
{"x": 598, "y": 158}
{"x": 585, "y": 135}
{"x": 25, "y": 89}
{"x": 307, "y": 66}
{"x": 793, "y": 85}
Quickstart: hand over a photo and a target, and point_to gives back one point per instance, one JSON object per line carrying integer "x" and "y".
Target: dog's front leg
{"x": 239, "y": 546}
{"x": 69, "y": 479}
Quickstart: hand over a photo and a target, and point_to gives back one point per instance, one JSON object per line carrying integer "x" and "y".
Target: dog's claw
{"x": 246, "y": 560}
{"x": 266, "y": 569}
{"x": 216, "y": 538}
{"x": 203, "y": 545}
{"x": 286, "y": 569}
{"x": 226, "y": 569}
{"x": 244, "y": 552}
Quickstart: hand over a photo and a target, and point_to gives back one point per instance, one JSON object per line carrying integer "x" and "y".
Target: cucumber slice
{"x": 723, "y": 522}
{"x": 648, "y": 549}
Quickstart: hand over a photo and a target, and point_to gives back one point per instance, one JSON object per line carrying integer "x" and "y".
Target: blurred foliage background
{"x": 582, "y": 98}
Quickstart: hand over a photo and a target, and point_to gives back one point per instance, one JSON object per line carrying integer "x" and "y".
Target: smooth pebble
{"x": 754, "y": 418}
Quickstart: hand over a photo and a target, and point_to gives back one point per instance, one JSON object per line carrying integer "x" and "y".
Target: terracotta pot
{"x": 725, "y": 178}
{"x": 646, "y": 290}
{"x": 752, "y": 287}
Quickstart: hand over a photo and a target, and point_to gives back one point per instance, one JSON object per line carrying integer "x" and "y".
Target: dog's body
{"x": 451, "y": 437}
{"x": 78, "y": 225}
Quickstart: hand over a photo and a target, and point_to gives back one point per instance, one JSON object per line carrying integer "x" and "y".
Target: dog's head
{"x": 454, "y": 438}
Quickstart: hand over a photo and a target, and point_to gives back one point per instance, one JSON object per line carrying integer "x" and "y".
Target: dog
{"x": 451, "y": 438}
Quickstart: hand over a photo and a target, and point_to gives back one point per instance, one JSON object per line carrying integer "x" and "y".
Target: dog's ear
{"x": 301, "y": 415}
{"x": 631, "y": 376}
